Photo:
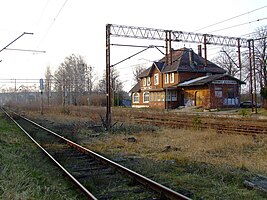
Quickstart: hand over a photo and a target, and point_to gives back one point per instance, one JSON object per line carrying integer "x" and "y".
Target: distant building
{"x": 186, "y": 82}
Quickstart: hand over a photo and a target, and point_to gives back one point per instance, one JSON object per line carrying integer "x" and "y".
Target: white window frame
{"x": 166, "y": 77}
{"x": 145, "y": 93}
{"x": 172, "y": 77}
{"x": 138, "y": 96}
{"x": 144, "y": 81}
{"x": 156, "y": 79}
{"x": 168, "y": 96}
{"x": 148, "y": 81}
{"x": 173, "y": 96}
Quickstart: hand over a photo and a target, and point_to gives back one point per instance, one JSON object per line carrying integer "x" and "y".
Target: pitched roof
{"x": 206, "y": 79}
{"x": 186, "y": 60}
{"x": 135, "y": 88}
{"x": 149, "y": 70}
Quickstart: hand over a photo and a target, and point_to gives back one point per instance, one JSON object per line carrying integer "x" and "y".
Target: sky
{"x": 63, "y": 27}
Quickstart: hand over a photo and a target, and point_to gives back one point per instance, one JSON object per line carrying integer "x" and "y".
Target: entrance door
{"x": 198, "y": 100}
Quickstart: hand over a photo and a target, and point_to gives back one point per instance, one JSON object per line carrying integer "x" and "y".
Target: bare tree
{"x": 74, "y": 79}
{"x": 138, "y": 69}
{"x": 260, "y": 43}
{"x": 116, "y": 85}
{"x": 228, "y": 60}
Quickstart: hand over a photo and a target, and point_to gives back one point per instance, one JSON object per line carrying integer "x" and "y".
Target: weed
{"x": 244, "y": 112}
{"x": 196, "y": 122}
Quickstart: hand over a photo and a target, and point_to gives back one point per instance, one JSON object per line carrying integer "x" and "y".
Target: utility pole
{"x": 254, "y": 77}
{"x": 239, "y": 58}
{"x": 108, "y": 95}
{"x": 250, "y": 76}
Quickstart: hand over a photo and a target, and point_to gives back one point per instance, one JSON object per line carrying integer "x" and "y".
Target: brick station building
{"x": 186, "y": 82}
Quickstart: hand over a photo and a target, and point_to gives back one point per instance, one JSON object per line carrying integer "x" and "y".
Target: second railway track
{"x": 95, "y": 175}
{"x": 221, "y": 125}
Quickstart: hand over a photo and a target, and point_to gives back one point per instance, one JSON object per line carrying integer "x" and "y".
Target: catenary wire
{"x": 234, "y": 26}
{"x": 52, "y": 23}
{"x": 231, "y": 18}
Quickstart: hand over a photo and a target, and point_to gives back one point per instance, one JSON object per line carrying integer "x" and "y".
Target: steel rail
{"x": 164, "y": 191}
{"x": 218, "y": 126}
{"x": 73, "y": 179}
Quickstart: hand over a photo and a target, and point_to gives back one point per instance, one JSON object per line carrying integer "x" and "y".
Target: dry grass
{"x": 246, "y": 152}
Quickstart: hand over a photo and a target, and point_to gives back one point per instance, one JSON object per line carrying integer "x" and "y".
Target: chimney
{"x": 199, "y": 50}
{"x": 190, "y": 55}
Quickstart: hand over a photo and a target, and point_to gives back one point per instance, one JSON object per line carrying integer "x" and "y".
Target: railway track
{"x": 96, "y": 176}
{"x": 221, "y": 125}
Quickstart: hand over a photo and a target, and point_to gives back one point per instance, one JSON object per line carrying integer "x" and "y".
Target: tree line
{"x": 74, "y": 83}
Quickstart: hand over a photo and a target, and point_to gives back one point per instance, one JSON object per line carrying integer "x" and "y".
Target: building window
{"x": 166, "y": 78}
{"x": 136, "y": 97}
{"x": 168, "y": 96}
{"x": 146, "y": 97}
{"x": 174, "y": 96}
{"x": 151, "y": 96}
{"x": 218, "y": 92}
{"x": 158, "y": 96}
{"x": 171, "y": 96}
{"x": 155, "y": 96}
{"x": 162, "y": 96}
{"x": 156, "y": 79}
{"x": 230, "y": 93}
{"x": 144, "y": 81}
{"x": 148, "y": 81}
{"x": 172, "y": 78}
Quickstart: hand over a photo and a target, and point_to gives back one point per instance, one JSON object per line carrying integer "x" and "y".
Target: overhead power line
{"x": 231, "y": 18}
{"x": 49, "y": 28}
{"x": 239, "y": 25}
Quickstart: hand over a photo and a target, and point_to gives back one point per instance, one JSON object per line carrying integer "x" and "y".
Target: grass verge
{"x": 202, "y": 164}
{"x": 24, "y": 171}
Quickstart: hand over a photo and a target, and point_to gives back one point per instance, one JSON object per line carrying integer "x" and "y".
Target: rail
{"x": 162, "y": 190}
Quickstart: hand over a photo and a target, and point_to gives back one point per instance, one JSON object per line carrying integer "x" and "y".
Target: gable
{"x": 148, "y": 72}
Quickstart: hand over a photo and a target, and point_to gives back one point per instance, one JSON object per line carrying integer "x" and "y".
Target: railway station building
{"x": 188, "y": 81}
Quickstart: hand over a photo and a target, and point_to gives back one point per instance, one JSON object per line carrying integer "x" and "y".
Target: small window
{"x": 230, "y": 93}
{"x": 156, "y": 79}
{"x": 172, "y": 78}
{"x": 158, "y": 96}
{"x": 166, "y": 77}
{"x": 136, "y": 97}
{"x": 218, "y": 92}
{"x": 155, "y": 96}
{"x": 148, "y": 81}
{"x": 168, "y": 96}
{"x": 162, "y": 96}
{"x": 174, "y": 96}
{"x": 151, "y": 96}
{"x": 146, "y": 97}
{"x": 144, "y": 81}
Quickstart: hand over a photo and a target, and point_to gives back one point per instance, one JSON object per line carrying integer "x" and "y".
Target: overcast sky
{"x": 63, "y": 27}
